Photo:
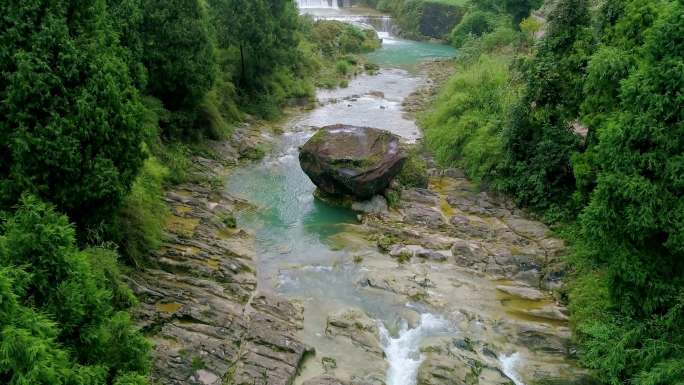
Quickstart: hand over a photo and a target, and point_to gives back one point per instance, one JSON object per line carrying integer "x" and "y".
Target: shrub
{"x": 465, "y": 125}
{"x": 342, "y": 67}
{"x": 58, "y": 320}
{"x": 138, "y": 227}
{"x": 337, "y": 38}
{"x": 414, "y": 172}
{"x": 474, "y": 24}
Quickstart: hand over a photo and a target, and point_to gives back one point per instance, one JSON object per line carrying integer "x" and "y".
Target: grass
{"x": 464, "y": 126}
{"x": 140, "y": 222}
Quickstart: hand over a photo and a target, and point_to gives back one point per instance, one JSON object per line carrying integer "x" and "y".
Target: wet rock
{"x": 528, "y": 228}
{"x": 324, "y": 380}
{"x": 468, "y": 253}
{"x": 523, "y": 292}
{"x": 420, "y": 195}
{"x": 375, "y": 205}
{"x": 410, "y": 251}
{"x": 350, "y": 160}
{"x": 530, "y": 276}
{"x": 435, "y": 255}
{"x": 543, "y": 339}
{"x": 457, "y": 369}
{"x": 205, "y": 377}
{"x": 357, "y": 326}
{"x": 549, "y": 312}
{"x": 368, "y": 379}
{"x": 421, "y": 215}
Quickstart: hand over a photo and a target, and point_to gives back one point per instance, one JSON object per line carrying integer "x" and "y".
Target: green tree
{"x": 518, "y": 9}
{"x": 55, "y": 296}
{"x": 632, "y": 231}
{"x": 540, "y": 141}
{"x": 127, "y": 18}
{"x": 179, "y": 55}
{"x": 636, "y": 216}
{"x": 474, "y": 24}
{"x": 70, "y": 126}
{"x": 264, "y": 34}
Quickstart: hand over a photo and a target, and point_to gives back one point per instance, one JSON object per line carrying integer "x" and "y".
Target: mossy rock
{"x": 352, "y": 161}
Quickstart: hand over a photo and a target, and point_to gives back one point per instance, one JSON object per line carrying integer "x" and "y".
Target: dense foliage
{"x": 179, "y": 57}
{"x": 470, "y": 113}
{"x": 62, "y": 317}
{"x": 70, "y": 129}
{"x": 540, "y": 140}
{"x": 336, "y": 46}
{"x": 593, "y": 137}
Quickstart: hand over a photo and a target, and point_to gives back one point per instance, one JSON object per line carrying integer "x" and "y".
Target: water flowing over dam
{"x": 318, "y": 4}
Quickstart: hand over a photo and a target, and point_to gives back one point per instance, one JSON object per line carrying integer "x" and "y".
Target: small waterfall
{"x": 403, "y": 353}
{"x": 508, "y": 364}
{"x": 382, "y": 24}
{"x": 317, "y": 4}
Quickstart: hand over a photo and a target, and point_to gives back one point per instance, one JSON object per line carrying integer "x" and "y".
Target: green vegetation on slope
{"x": 586, "y": 128}
{"x": 71, "y": 127}
{"x": 422, "y": 19}
{"x": 62, "y": 310}
{"x": 470, "y": 113}
{"x": 338, "y": 46}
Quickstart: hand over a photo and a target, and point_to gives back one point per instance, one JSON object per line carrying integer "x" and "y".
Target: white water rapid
{"x": 403, "y": 352}
{"x": 317, "y": 4}
{"x": 508, "y": 366}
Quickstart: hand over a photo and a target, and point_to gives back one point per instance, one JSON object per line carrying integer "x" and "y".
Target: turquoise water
{"x": 299, "y": 253}
{"x": 407, "y": 54}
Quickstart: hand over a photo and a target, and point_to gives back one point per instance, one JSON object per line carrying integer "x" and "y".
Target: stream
{"x": 309, "y": 252}
{"x": 302, "y": 252}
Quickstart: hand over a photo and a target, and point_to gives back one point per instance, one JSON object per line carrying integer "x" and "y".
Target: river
{"x": 300, "y": 253}
{"x": 313, "y": 254}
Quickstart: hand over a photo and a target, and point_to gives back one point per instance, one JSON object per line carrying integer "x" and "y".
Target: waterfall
{"x": 403, "y": 353}
{"x": 382, "y": 24}
{"x": 317, "y": 4}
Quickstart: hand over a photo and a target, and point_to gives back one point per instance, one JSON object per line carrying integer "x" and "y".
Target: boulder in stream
{"x": 354, "y": 161}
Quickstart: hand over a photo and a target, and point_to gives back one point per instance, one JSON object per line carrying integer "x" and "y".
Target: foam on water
{"x": 508, "y": 366}
{"x": 403, "y": 352}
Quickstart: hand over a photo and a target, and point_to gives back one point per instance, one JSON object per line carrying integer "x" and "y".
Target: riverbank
{"x": 199, "y": 302}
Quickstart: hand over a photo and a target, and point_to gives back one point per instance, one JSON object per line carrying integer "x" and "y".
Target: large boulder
{"x": 349, "y": 160}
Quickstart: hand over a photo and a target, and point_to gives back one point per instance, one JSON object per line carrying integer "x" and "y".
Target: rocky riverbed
{"x": 451, "y": 286}
{"x": 199, "y": 304}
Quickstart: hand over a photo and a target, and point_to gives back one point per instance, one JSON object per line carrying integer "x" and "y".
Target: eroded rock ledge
{"x": 199, "y": 304}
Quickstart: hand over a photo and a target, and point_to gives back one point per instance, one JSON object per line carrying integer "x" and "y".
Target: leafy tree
{"x": 264, "y": 34}
{"x": 180, "y": 57}
{"x": 54, "y": 295}
{"x": 70, "y": 126}
{"x": 127, "y": 18}
{"x": 474, "y": 24}
{"x": 636, "y": 216}
{"x": 518, "y": 9}
{"x": 540, "y": 141}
